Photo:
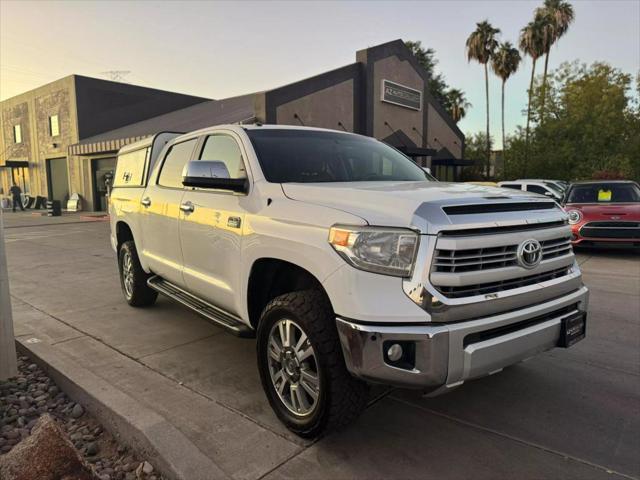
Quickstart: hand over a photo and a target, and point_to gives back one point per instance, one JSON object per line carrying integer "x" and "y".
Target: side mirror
{"x": 212, "y": 174}
{"x": 549, "y": 194}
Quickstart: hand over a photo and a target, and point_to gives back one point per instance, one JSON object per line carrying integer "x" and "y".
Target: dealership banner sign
{"x": 401, "y": 95}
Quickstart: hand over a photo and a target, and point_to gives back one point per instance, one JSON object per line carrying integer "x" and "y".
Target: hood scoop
{"x": 472, "y": 209}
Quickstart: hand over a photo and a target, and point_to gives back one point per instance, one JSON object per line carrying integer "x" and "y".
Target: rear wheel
{"x": 133, "y": 279}
{"x": 302, "y": 367}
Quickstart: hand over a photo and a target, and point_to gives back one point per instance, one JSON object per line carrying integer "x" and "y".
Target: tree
{"x": 458, "y": 104}
{"x": 505, "y": 63}
{"x": 532, "y": 43}
{"x": 480, "y": 47}
{"x": 475, "y": 150}
{"x": 591, "y": 128}
{"x": 558, "y": 14}
{"x": 437, "y": 84}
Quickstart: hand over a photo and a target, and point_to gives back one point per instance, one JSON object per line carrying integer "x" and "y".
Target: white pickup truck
{"x": 347, "y": 264}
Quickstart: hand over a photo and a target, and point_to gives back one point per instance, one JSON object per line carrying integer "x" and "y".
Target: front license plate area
{"x": 572, "y": 329}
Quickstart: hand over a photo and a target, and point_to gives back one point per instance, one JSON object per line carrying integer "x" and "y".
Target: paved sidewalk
{"x": 566, "y": 414}
{"x": 39, "y": 218}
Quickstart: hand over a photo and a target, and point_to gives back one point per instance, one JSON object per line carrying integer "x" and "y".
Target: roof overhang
{"x": 451, "y": 162}
{"x": 417, "y": 151}
{"x": 104, "y": 146}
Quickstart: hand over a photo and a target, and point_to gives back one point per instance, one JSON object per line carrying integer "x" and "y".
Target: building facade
{"x": 383, "y": 94}
{"x": 37, "y": 128}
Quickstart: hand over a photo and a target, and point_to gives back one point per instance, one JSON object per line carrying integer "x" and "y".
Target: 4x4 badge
{"x": 530, "y": 253}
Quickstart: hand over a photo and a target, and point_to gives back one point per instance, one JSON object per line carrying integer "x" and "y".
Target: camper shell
{"x": 136, "y": 160}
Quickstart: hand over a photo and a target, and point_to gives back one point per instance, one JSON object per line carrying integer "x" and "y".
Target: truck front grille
{"x": 485, "y": 335}
{"x": 493, "y": 287}
{"x": 458, "y": 261}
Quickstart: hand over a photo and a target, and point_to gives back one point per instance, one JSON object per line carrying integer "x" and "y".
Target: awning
{"x": 15, "y": 164}
{"x": 105, "y": 146}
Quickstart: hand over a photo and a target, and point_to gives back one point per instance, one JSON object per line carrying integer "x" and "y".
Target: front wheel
{"x": 302, "y": 366}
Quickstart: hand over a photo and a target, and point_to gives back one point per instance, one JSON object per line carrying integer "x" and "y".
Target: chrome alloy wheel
{"x": 127, "y": 274}
{"x": 293, "y": 367}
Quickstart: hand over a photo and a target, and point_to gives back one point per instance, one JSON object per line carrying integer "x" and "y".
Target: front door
{"x": 161, "y": 211}
{"x": 211, "y": 233}
{"x": 103, "y": 170}
{"x": 58, "y": 180}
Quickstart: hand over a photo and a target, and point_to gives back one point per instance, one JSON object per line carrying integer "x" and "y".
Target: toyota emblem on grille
{"x": 530, "y": 253}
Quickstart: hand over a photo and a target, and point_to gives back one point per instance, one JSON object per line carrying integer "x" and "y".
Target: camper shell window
{"x": 132, "y": 168}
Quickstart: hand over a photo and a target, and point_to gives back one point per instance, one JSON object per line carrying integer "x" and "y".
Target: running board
{"x": 210, "y": 312}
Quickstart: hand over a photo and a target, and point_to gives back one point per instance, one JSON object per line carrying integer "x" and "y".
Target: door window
{"x": 223, "y": 148}
{"x": 513, "y": 186}
{"x": 174, "y": 162}
{"x": 537, "y": 189}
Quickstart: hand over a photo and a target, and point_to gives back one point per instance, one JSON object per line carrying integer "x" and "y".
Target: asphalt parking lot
{"x": 566, "y": 414}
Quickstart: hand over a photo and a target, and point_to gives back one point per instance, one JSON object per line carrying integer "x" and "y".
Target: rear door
{"x": 211, "y": 231}
{"x": 161, "y": 212}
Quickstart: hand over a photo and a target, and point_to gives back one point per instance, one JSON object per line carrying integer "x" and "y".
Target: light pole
{"x": 8, "y": 362}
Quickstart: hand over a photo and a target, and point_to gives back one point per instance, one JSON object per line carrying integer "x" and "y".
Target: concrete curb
{"x": 174, "y": 455}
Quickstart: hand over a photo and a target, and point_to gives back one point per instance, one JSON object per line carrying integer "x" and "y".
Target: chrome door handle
{"x": 187, "y": 207}
{"x": 146, "y": 202}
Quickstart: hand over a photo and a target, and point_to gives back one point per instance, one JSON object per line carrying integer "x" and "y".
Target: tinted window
{"x": 513, "y": 186}
{"x": 537, "y": 189}
{"x": 175, "y": 160}
{"x": 130, "y": 169}
{"x": 314, "y": 156}
{"x": 225, "y": 149}
{"x": 604, "y": 193}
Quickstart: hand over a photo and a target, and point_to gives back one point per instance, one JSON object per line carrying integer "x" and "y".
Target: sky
{"x": 223, "y": 49}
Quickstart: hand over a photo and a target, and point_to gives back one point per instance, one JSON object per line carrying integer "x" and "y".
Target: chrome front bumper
{"x": 443, "y": 359}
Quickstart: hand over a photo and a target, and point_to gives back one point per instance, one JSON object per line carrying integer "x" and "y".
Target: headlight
{"x": 390, "y": 251}
{"x": 574, "y": 216}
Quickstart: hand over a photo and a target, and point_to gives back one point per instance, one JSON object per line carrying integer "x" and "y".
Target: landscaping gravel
{"x": 25, "y": 398}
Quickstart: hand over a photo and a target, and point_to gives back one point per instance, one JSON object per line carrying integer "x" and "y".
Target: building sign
{"x": 400, "y": 95}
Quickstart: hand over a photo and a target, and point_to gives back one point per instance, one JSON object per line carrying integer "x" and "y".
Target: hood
{"x": 393, "y": 204}
{"x": 607, "y": 211}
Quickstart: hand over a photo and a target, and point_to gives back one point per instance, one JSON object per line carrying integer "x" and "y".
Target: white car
{"x": 541, "y": 187}
{"x": 345, "y": 262}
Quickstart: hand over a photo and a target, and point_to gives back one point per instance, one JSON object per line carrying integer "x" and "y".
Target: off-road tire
{"x": 141, "y": 294}
{"x": 342, "y": 397}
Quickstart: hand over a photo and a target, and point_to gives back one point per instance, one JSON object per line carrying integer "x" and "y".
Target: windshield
{"x": 311, "y": 156}
{"x": 555, "y": 187}
{"x": 604, "y": 193}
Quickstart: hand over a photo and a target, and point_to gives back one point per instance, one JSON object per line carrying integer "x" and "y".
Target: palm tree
{"x": 532, "y": 44}
{"x": 559, "y": 14}
{"x": 480, "y": 47}
{"x": 505, "y": 63}
{"x": 459, "y": 104}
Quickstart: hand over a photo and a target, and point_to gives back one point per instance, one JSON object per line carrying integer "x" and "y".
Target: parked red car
{"x": 604, "y": 212}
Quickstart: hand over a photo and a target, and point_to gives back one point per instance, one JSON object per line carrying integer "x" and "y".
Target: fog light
{"x": 395, "y": 352}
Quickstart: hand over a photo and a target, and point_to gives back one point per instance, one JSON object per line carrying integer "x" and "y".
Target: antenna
{"x": 116, "y": 75}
